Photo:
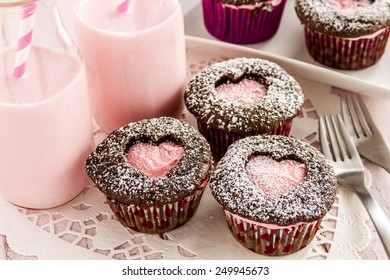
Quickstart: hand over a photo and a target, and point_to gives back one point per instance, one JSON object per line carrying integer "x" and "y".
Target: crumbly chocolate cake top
{"x": 283, "y": 101}
{"x": 310, "y": 200}
{"x": 256, "y": 5}
{"x": 110, "y": 170}
{"x": 320, "y": 16}
{"x": 242, "y": 2}
{"x": 247, "y": 2}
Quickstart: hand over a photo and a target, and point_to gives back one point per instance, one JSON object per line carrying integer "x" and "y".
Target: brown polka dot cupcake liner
{"x": 157, "y": 218}
{"x": 269, "y": 241}
{"x": 220, "y": 141}
{"x": 346, "y": 53}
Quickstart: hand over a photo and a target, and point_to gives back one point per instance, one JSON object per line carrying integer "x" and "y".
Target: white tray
{"x": 85, "y": 228}
{"x": 289, "y": 42}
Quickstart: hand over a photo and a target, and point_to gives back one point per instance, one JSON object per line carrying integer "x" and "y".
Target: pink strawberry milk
{"x": 45, "y": 119}
{"x": 135, "y": 58}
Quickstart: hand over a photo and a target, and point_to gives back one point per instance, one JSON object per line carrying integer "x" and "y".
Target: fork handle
{"x": 379, "y": 218}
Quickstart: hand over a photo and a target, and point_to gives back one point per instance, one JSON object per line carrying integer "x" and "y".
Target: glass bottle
{"x": 45, "y": 120}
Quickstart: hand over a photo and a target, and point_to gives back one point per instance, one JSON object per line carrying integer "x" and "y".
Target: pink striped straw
{"x": 124, "y": 6}
{"x": 25, "y": 37}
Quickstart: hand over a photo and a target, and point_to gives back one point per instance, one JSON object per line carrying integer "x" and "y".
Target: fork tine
{"x": 350, "y": 146}
{"x": 340, "y": 135}
{"x": 347, "y": 115}
{"x": 361, "y": 121}
{"x": 366, "y": 117}
{"x": 324, "y": 139}
{"x": 333, "y": 143}
{"x": 366, "y": 135}
{"x": 353, "y": 114}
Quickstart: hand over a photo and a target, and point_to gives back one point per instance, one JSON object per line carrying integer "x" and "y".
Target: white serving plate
{"x": 85, "y": 227}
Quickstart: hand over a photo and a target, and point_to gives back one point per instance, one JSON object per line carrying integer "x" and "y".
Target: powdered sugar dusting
{"x": 246, "y": 92}
{"x": 275, "y": 178}
{"x": 323, "y": 17}
{"x": 262, "y": 4}
{"x": 246, "y": 2}
{"x": 110, "y": 170}
{"x": 155, "y": 161}
{"x": 283, "y": 101}
{"x": 348, "y": 7}
{"x": 308, "y": 201}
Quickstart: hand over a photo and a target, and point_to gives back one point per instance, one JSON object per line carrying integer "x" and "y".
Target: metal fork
{"x": 366, "y": 136}
{"x": 339, "y": 149}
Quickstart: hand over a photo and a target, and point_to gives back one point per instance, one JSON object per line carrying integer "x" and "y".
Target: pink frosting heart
{"x": 275, "y": 178}
{"x": 347, "y": 7}
{"x": 246, "y": 92}
{"x": 155, "y": 161}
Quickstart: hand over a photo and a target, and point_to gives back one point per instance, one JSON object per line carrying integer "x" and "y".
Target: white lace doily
{"x": 85, "y": 228}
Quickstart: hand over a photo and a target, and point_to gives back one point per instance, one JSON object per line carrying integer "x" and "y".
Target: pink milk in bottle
{"x": 46, "y": 130}
{"x": 135, "y": 60}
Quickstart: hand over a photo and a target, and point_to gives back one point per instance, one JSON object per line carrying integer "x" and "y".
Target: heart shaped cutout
{"x": 155, "y": 161}
{"x": 245, "y": 93}
{"x": 275, "y": 178}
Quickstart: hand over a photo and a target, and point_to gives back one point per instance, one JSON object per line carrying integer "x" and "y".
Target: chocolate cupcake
{"x": 274, "y": 191}
{"x": 153, "y": 173}
{"x": 242, "y": 97}
{"x": 242, "y": 21}
{"x": 347, "y": 35}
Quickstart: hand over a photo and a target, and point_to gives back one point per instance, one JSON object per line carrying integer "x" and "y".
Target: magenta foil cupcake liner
{"x": 344, "y": 53}
{"x": 268, "y": 241}
{"x": 157, "y": 218}
{"x": 241, "y": 25}
{"x": 220, "y": 141}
